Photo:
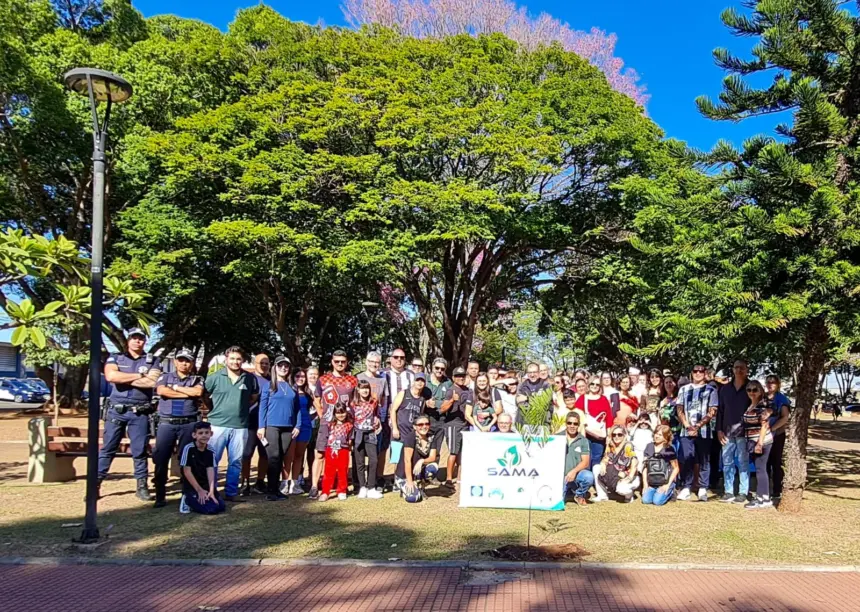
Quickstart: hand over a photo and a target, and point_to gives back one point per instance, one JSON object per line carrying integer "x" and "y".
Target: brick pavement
{"x": 350, "y": 588}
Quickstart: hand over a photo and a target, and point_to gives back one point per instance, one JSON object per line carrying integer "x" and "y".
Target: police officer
{"x": 133, "y": 375}
{"x": 179, "y": 394}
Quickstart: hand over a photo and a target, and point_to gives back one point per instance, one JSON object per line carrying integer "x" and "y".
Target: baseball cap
{"x": 459, "y": 371}
{"x": 420, "y": 376}
{"x": 282, "y": 359}
{"x": 184, "y": 354}
{"x": 136, "y": 331}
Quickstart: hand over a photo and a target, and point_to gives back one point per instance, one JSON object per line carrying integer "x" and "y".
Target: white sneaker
{"x": 183, "y": 506}
{"x": 684, "y": 495}
{"x": 362, "y": 493}
{"x": 285, "y": 487}
{"x": 703, "y": 494}
{"x": 598, "y": 498}
{"x": 374, "y": 494}
{"x": 296, "y": 488}
{"x": 341, "y": 496}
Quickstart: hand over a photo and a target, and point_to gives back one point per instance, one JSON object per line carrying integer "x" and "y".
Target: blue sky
{"x": 668, "y": 42}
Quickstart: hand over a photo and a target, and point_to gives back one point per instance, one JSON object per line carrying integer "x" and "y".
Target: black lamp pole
{"x": 98, "y": 85}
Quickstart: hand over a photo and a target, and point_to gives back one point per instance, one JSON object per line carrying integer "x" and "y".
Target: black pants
{"x": 279, "y": 439}
{"x": 774, "y": 464}
{"x": 165, "y": 443}
{"x": 364, "y": 447}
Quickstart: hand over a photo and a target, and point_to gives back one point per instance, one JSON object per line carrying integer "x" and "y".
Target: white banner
{"x": 497, "y": 472}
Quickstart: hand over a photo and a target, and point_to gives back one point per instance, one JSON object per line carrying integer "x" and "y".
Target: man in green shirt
{"x": 231, "y": 392}
{"x": 437, "y": 384}
{"x": 577, "y": 476}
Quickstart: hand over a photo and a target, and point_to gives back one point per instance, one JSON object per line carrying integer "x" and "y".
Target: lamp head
{"x": 106, "y": 85}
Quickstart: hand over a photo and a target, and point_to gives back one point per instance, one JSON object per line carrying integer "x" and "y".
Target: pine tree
{"x": 765, "y": 252}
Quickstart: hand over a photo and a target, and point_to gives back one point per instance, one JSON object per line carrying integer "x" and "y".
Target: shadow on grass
{"x": 841, "y": 431}
{"x": 832, "y": 472}
{"x": 11, "y": 470}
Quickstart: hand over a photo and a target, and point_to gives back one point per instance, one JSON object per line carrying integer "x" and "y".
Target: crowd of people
{"x": 656, "y": 435}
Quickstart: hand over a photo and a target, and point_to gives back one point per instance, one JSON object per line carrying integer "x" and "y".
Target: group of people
{"x": 653, "y": 433}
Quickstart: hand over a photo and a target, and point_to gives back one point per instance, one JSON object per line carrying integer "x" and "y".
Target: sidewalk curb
{"x": 462, "y": 565}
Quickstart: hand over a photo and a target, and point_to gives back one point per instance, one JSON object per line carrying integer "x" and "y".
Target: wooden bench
{"x": 53, "y": 451}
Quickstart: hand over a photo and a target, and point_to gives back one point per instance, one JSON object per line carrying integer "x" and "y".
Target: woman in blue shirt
{"x": 780, "y": 405}
{"x": 280, "y": 423}
{"x": 295, "y": 462}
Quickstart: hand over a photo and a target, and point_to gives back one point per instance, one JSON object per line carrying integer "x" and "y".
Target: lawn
{"x": 827, "y": 533}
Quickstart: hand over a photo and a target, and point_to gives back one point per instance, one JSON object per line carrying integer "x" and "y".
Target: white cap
{"x": 634, "y": 371}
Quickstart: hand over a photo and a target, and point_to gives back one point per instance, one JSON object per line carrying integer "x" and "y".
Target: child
{"x": 337, "y": 452}
{"x": 482, "y": 416}
{"x": 198, "y": 474}
{"x": 367, "y": 428}
{"x": 640, "y": 434}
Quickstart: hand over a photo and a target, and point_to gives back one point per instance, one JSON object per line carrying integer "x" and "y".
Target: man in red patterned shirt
{"x": 336, "y": 386}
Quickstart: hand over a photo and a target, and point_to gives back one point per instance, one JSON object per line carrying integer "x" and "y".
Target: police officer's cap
{"x": 185, "y": 354}
{"x": 136, "y": 331}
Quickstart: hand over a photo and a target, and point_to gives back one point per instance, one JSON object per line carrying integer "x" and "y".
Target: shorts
{"x": 454, "y": 436}
{"x": 251, "y": 443}
{"x": 305, "y": 434}
{"x": 322, "y": 438}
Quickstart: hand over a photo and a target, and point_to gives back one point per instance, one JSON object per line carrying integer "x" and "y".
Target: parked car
{"x": 38, "y": 386}
{"x": 15, "y": 391}
{"x": 852, "y": 408}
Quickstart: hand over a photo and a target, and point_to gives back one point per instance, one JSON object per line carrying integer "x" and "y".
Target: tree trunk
{"x": 814, "y": 349}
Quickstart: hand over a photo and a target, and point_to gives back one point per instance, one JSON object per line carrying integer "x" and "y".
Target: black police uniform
{"x": 128, "y": 414}
{"x": 176, "y": 418}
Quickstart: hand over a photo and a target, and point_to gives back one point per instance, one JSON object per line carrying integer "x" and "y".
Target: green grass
{"x": 687, "y": 532}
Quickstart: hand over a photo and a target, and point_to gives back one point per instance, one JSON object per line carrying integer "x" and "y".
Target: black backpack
{"x": 659, "y": 471}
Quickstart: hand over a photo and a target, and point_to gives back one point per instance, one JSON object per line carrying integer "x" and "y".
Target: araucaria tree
{"x": 770, "y": 252}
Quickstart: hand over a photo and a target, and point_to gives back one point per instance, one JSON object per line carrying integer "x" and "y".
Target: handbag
{"x": 595, "y": 426}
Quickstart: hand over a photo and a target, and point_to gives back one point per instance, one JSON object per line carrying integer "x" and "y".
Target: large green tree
{"x": 768, "y": 249}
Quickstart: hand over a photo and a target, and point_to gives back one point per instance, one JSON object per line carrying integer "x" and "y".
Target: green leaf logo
{"x": 512, "y": 457}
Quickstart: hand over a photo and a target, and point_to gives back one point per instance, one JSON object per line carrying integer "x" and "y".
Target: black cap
{"x": 184, "y": 354}
{"x": 136, "y": 331}
{"x": 460, "y": 371}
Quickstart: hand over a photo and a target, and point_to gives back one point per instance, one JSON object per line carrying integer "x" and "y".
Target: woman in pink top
{"x": 594, "y": 404}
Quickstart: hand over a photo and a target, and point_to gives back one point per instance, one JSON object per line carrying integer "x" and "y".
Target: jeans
{"x": 212, "y": 506}
{"x": 596, "y": 450}
{"x": 279, "y": 439}
{"x": 774, "y": 463}
{"x": 762, "y": 482}
{"x": 693, "y": 452}
{"x": 581, "y": 484}
{"x": 651, "y": 496}
{"x": 117, "y": 426}
{"x": 736, "y": 457}
{"x": 233, "y": 439}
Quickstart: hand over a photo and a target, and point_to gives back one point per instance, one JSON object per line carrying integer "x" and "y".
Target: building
{"x": 12, "y": 363}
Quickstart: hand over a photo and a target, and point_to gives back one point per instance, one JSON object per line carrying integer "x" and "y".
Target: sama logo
{"x": 509, "y": 462}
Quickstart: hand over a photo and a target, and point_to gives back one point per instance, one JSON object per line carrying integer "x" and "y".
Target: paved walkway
{"x": 350, "y": 588}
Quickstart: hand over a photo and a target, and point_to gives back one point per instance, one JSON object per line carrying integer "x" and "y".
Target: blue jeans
{"x": 233, "y": 439}
{"x": 736, "y": 457}
{"x": 581, "y": 484}
{"x": 597, "y": 448}
{"x": 651, "y": 496}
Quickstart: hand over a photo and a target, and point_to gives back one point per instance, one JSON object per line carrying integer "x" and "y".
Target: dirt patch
{"x": 550, "y": 552}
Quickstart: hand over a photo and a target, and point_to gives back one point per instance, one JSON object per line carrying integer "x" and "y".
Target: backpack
{"x": 659, "y": 471}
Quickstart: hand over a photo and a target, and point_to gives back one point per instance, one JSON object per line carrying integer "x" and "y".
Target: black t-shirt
{"x": 668, "y": 453}
{"x": 457, "y": 412}
{"x": 198, "y": 460}
{"x": 421, "y": 449}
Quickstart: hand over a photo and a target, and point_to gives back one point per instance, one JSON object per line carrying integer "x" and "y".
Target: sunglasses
{"x": 422, "y": 424}
{"x": 339, "y": 361}
{"x": 438, "y": 369}
{"x": 398, "y": 356}
{"x": 594, "y": 384}
{"x": 574, "y": 423}
{"x": 417, "y": 365}
{"x": 699, "y": 370}
{"x": 282, "y": 364}
{"x": 753, "y": 390}
{"x": 618, "y": 435}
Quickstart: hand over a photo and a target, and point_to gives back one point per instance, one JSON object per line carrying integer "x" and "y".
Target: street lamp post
{"x": 99, "y": 86}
